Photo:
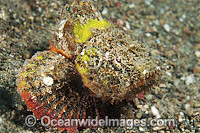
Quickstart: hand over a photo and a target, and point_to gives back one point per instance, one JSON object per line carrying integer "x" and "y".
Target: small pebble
{"x": 3, "y": 15}
{"x": 181, "y": 19}
{"x": 149, "y": 97}
{"x": 131, "y": 5}
{"x": 182, "y": 114}
{"x": 197, "y": 53}
{"x": 148, "y": 34}
{"x": 127, "y": 25}
{"x": 196, "y": 70}
{"x": 148, "y": 2}
{"x": 105, "y": 11}
{"x": 189, "y": 79}
{"x": 48, "y": 81}
{"x": 181, "y": 117}
{"x": 168, "y": 73}
{"x": 162, "y": 86}
{"x": 28, "y": 55}
{"x": 158, "y": 128}
{"x": 13, "y": 114}
{"x": 141, "y": 129}
{"x": 167, "y": 27}
{"x": 155, "y": 112}
{"x": 120, "y": 22}
{"x": 139, "y": 106}
{"x": 162, "y": 11}
{"x": 146, "y": 106}
{"x": 139, "y": 115}
{"x": 187, "y": 106}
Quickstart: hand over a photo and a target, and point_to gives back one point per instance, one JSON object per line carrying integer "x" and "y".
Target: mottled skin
{"x": 111, "y": 64}
{"x": 91, "y": 61}
{"x": 66, "y": 98}
{"x": 115, "y": 68}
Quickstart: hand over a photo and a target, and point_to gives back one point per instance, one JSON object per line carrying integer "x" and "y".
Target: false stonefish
{"x": 91, "y": 62}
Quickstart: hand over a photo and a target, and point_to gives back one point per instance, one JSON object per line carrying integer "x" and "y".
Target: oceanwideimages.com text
{"x": 96, "y": 122}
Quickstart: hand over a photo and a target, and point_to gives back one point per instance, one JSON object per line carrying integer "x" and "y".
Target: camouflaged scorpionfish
{"x": 91, "y": 61}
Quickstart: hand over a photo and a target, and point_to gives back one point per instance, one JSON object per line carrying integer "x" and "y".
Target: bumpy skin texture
{"x": 72, "y": 17}
{"x": 50, "y": 86}
{"x": 115, "y": 66}
{"x": 91, "y": 61}
{"x": 43, "y": 67}
{"x": 111, "y": 64}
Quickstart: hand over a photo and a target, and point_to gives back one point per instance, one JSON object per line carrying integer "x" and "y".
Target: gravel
{"x": 169, "y": 30}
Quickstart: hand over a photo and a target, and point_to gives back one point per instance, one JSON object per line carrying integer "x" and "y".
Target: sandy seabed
{"x": 169, "y": 30}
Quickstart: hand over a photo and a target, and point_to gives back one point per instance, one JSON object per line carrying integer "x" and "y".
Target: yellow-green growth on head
{"x": 83, "y": 33}
{"x": 81, "y": 70}
{"x": 91, "y": 51}
{"x": 22, "y": 84}
{"x": 85, "y": 57}
{"x": 30, "y": 65}
{"x": 39, "y": 57}
{"x": 24, "y": 74}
